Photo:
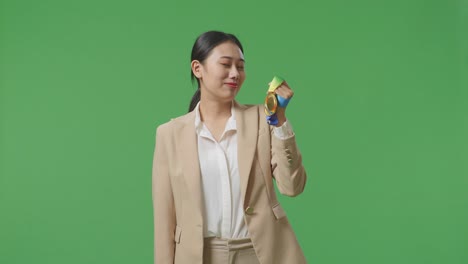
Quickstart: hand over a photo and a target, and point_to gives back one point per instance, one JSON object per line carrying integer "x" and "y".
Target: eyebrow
{"x": 229, "y": 57}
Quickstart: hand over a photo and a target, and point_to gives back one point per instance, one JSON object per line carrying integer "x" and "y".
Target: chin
{"x": 230, "y": 96}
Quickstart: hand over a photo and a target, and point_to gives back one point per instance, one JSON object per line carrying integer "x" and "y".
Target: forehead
{"x": 227, "y": 49}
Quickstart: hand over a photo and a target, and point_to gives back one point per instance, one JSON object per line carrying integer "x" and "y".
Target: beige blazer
{"x": 177, "y": 197}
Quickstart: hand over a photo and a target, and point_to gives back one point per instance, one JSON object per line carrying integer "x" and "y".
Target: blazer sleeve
{"x": 286, "y": 164}
{"x": 163, "y": 201}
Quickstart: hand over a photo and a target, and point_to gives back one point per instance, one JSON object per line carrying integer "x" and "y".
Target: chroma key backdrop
{"x": 380, "y": 114}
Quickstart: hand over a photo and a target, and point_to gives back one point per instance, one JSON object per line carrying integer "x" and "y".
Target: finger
{"x": 284, "y": 92}
{"x": 286, "y": 87}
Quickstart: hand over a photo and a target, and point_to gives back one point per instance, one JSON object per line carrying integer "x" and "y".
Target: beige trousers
{"x": 229, "y": 251}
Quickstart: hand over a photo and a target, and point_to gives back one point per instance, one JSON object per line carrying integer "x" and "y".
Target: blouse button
{"x": 249, "y": 210}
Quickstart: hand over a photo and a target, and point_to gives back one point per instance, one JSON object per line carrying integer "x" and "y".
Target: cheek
{"x": 221, "y": 73}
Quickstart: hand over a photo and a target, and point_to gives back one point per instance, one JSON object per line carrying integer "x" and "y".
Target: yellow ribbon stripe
{"x": 277, "y": 81}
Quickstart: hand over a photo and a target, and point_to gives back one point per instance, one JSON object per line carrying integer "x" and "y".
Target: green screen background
{"x": 380, "y": 113}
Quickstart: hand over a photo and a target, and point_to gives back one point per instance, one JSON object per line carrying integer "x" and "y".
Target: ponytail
{"x": 195, "y": 100}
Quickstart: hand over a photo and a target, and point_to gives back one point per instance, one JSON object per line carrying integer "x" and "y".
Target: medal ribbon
{"x": 282, "y": 102}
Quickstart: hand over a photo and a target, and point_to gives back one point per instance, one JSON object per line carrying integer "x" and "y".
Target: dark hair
{"x": 202, "y": 48}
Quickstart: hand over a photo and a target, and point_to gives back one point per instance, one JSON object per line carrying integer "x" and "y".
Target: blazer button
{"x": 249, "y": 210}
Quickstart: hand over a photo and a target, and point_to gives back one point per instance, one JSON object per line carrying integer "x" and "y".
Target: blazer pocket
{"x": 177, "y": 233}
{"x": 278, "y": 211}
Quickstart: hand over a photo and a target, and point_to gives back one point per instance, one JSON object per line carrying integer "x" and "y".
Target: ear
{"x": 196, "y": 68}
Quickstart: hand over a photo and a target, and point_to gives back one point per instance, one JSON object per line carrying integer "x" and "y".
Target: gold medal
{"x": 271, "y": 102}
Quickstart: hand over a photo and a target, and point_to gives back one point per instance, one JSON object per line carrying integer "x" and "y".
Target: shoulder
{"x": 255, "y": 109}
{"x": 175, "y": 123}
{"x": 249, "y": 107}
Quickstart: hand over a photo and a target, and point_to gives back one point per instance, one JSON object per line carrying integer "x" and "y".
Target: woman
{"x": 213, "y": 195}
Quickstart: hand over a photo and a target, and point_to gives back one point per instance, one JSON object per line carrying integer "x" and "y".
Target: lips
{"x": 232, "y": 85}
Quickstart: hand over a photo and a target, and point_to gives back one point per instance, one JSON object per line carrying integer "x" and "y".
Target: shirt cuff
{"x": 284, "y": 131}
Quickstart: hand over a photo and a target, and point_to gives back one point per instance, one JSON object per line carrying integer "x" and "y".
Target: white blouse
{"x": 223, "y": 211}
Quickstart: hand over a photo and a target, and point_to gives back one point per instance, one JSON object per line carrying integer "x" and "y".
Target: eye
{"x": 226, "y": 65}
{"x": 240, "y": 67}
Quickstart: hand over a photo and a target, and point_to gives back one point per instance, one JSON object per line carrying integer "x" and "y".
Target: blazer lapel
{"x": 188, "y": 147}
{"x": 247, "y": 133}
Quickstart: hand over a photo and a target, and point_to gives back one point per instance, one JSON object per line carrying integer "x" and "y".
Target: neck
{"x": 214, "y": 110}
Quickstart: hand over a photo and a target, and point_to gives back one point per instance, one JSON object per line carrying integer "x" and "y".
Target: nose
{"x": 234, "y": 73}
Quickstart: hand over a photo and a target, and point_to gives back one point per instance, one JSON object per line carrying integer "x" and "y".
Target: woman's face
{"x": 222, "y": 73}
